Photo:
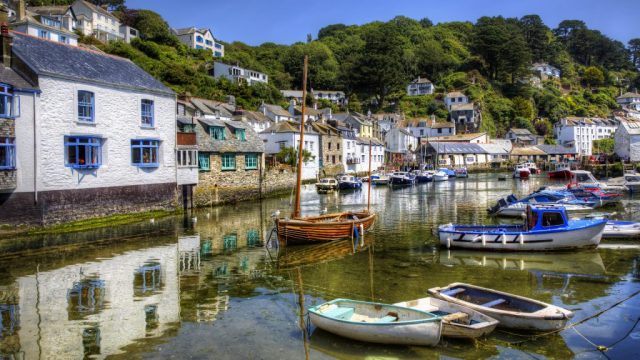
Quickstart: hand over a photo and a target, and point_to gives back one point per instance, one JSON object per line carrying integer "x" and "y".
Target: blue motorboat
{"x": 346, "y": 182}
{"x": 449, "y": 172}
{"x": 425, "y": 176}
{"x": 512, "y": 206}
{"x": 402, "y": 178}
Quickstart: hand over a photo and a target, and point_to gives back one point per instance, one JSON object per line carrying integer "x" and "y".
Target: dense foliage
{"x": 372, "y": 63}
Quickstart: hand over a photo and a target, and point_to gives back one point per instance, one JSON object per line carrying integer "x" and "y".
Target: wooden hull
{"x": 317, "y": 229}
{"x": 482, "y": 324}
{"x": 366, "y": 322}
{"x": 531, "y": 314}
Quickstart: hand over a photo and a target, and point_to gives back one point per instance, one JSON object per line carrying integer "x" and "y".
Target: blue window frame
{"x": 204, "y": 162}
{"x": 86, "y": 106}
{"x": 228, "y": 161}
{"x": 7, "y": 154}
{"x": 209, "y": 42}
{"x": 218, "y": 46}
{"x": 83, "y": 152}
{"x": 199, "y": 47}
{"x": 144, "y": 153}
{"x": 44, "y": 34}
{"x": 251, "y": 161}
{"x": 9, "y": 103}
{"x": 64, "y": 39}
{"x": 217, "y": 54}
{"x": 50, "y": 22}
{"x": 199, "y": 39}
{"x": 147, "y": 112}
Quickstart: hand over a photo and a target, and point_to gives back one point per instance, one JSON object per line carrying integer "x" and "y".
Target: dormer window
{"x": 241, "y": 135}
{"x": 217, "y": 132}
{"x": 50, "y": 22}
{"x": 9, "y": 103}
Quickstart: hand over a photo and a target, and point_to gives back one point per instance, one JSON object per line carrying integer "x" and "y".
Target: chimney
{"x": 6, "y": 38}
{"x": 20, "y": 10}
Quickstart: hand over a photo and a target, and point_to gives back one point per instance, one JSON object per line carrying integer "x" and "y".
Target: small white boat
{"x": 544, "y": 229}
{"x": 462, "y": 173}
{"x": 628, "y": 182}
{"x": 615, "y": 229}
{"x": 377, "y": 323}
{"x": 457, "y": 321}
{"x": 512, "y": 311}
{"x": 521, "y": 171}
{"x": 440, "y": 176}
{"x": 383, "y": 179}
{"x": 327, "y": 184}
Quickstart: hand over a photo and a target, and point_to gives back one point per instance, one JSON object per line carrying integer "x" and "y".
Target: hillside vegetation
{"x": 372, "y": 63}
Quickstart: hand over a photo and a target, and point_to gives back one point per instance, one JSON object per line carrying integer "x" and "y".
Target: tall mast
{"x": 296, "y": 210}
{"x": 369, "y": 196}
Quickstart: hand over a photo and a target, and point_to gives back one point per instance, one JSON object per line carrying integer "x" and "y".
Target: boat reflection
{"x": 584, "y": 262}
{"x": 296, "y": 256}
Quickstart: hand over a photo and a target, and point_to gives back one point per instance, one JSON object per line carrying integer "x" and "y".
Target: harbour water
{"x": 205, "y": 286}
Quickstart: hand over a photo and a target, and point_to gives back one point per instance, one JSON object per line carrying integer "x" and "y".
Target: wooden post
{"x": 301, "y": 310}
{"x": 296, "y": 209}
{"x": 369, "y": 197}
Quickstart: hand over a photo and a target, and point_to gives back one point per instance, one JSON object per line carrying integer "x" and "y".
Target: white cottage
{"x": 287, "y": 134}
{"x": 627, "y": 140}
{"x": 580, "y": 132}
{"x": 102, "y": 137}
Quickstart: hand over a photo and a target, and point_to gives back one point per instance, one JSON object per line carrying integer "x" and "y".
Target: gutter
{"x": 35, "y": 152}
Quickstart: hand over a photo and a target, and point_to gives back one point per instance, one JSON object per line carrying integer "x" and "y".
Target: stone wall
{"x": 60, "y": 206}
{"x": 7, "y": 177}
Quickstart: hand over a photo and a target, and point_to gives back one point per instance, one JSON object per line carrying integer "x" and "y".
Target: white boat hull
{"x": 483, "y": 325}
{"x": 588, "y": 237}
{"x": 549, "y": 318}
{"x": 621, "y": 231}
{"x": 424, "y": 334}
{"x": 440, "y": 177}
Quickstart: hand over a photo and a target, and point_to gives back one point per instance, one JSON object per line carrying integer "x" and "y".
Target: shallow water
{"x": 205, "y": 286}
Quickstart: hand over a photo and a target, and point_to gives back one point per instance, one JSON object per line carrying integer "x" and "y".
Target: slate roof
{"x": 189, "y": 30}
{"x": 575, "y": 121}
{"x": 97, "y": 9}
{"x": 462, "y": 107}
{"x": 253, "y": 144}
{"x": 628, "y": 95}
{"x": 292, "y": 93}
{"x": 324, "y": 129}
{"x": 8, "y": 76}
{"x": 50, "y": 10}
{"x": 632, "y": 127}
{"x": 210, "y": 107}
{"x": 288, "y": 127}
{"x": 458, "y": 137}
{"x": 521, "y": 131}
{"x": 455, "y": 94}
{"x": 308, "y": 111}
{"x": 458, "y": 148}
{"x": 253, "y": 116}
{"x": 277, "y": 110}
{"x": 421, "y": 81}
{"x": 527, "y": 151}
{"x": 494, "y": 149}
{"x": 557, "y": 149}
{"x": 365, "y": 141}
{"x": 58, "y": 60}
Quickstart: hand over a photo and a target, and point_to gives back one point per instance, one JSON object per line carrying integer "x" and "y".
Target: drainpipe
{"x": 35, "y": 152}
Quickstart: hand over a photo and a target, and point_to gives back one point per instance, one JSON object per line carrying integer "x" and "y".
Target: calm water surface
{"x": 209, "y": 288}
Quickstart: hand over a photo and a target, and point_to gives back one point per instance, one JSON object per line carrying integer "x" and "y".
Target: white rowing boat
{"x": 457, "y": 321}
{"x": 377, "y": 323}
{"x": 512, "y": 311}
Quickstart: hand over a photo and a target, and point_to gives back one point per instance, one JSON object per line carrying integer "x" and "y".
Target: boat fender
{"x": 521, "y": 239}
{"x": 356, "y": 233}
{"x": 504, "y": 239}
{"x": 484, "y": 241}
{"x": 362, "y": 232}
{"x": 448, "y": 242}
{"x": 475, "y": 239}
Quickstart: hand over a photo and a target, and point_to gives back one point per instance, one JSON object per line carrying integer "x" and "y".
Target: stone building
{"x": 230, "y": 155}
{"x": 286, "y": 134}
{"x": 330, "y": 147}
{"x": 96, "y": 138}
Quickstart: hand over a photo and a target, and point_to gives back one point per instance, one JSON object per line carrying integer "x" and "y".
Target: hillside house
{"x": 56, "y": 23}
{"x": 627, "y": 140}
{"x": 420, "y": 86}
{"x": 256, "y": 119}
{"x": 466, "y": 117}
{"x": 400, "y": 145}
{"x": 200, "y": 39}
{"x": 237, "y": 74}
{"x": 629, "y": 100}
{"x": 523, "y": 137}
{"x": 579, "y": 132}
{"x": 276, "y": 113}
{"x": 422, "y": 128}
{"x": 545, "y": 71}
{"x": 474, "y": 138}
{"x": 99, "y": 22}
{"x": 455, "y": 98}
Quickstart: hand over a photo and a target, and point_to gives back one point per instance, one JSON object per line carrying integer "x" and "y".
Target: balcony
{"x": 352, "y": 161}
{"x": 185, "y": 138}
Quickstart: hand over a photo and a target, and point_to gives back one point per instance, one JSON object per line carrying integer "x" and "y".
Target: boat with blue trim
{"x": 402, "y": 178}
{"x": 545, "y": 228}
{"x": 377, "y": 323}
{"x": 450, "y": 173}
{"x": 349, "y": 182}
{"x": 462, "y": 172}
{"x": 511, "y": 311}
{"x": 511, "y": 206}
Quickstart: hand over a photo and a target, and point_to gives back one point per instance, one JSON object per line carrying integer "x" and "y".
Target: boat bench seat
{"x": 388, "y": 319}
{"x": 340, "y": 313}
{"x": 452, "y": 292}
{"x": 493, "y": 303}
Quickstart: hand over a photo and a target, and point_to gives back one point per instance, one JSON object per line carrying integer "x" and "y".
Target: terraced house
{"x": 93, "y": 134}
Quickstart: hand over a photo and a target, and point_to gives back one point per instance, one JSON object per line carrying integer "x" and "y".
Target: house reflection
{"x": 91, "y": 341}
{"x": 147, "y": 279}
{"x": 9, "y": 323}
{"x": 86, "y": 297}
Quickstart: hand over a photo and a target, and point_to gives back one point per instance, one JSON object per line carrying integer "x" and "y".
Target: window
{"x": 338, "y": 146}
{"x": 250, "y": 161}
{"x": 7, "y": 154}
{"x": 86, "y": 103}
{"x": 552, "y": 219}
{"x": 241, "y": 135}
{"x": 217, "y": 132}
{"x": 281, "y": 144}
{"x": 218, "y": 46}
{"x": 187, "y": 158}
{"x": 329, "y": 146}
{"x": 144, "y": 153}
{"x": 199, "y": 47}
{"x": 50, "y": 22}
{"x": 147, "y": 112}
{"x": 44, "y": 34}
{"x": 181, "y": 109}
{"x": 209, "y": 42}
{"x": 83, "y": 152}
{"x": 9, "y": 103}
{"x": 228, "y": 161}
{"x": 199, "y": 39}
{"x": 203, "y": 162}
{"x": 64, "y": 39}
{"x": 217, "y": 54}
{"x": 333, "y": 159}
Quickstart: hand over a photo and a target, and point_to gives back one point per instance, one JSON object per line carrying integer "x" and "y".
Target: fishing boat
{"x": 462, "y": 173}
{"x": 561, "y": 171}
{"x": 511, "y": 311}
{"x": 457, "y": 321}
{"x": 584, "y": 180}
{"x": 402, "y": 178}
{"x": 422, "y": 176}
{"x": 346, "y": 182}
{"x": 327, "y": 184}
{"x": 377, "y": 323}
{"x": 440, "y": 176}
{"x": 329, "y": 227}
{"x": 383, "y": 179}
{"x": 628, "y": 182}
{"x": 533, "y": 168}
{"x": 521, "y": 171}
{"x": 511, "y": 206}
{"x": 545, "y": 228}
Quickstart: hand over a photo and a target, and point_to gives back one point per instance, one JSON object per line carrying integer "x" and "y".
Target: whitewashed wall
{"x": 272, "y": 146}
{"x": 24, "y": 142}
{"x": 117, "y": 121}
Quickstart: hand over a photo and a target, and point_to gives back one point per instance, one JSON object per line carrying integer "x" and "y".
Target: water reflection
{"x": 209, "y": 285}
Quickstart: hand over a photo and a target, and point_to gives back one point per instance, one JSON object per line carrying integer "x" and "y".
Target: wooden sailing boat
{"x": 328, "y": 227}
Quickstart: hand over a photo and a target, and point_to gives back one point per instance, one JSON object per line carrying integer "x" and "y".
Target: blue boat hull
{"x": 349, "y": 185}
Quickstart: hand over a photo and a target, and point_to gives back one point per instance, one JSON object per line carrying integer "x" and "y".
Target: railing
{"x": 187, "y": 138}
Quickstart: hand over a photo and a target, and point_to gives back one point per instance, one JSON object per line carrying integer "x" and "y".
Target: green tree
{"x": 603, "y": 146}
{"x": 522, "y": 107}
{"x": 289, "y": 155}
{"x": 535, "y": 35}
{"x": 593, "y": 76}
{"x": 151, "y": 25}
{"x": 634, "y": 49}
